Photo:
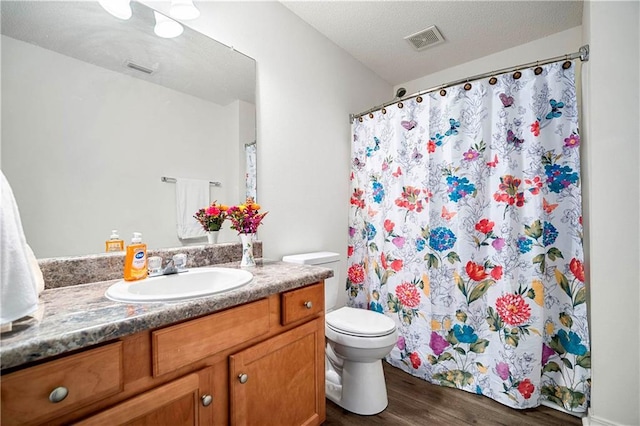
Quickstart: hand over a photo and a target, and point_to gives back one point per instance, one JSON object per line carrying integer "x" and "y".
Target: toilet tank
{"x": 326, "y": 259}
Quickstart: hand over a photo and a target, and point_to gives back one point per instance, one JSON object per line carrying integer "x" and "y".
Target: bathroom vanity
{"x": 254, "y": 355}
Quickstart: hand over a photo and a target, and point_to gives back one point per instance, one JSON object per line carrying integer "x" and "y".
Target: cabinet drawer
{"x": 302, "y": 303}
{"x": 87, "y": 377}
{"x": 180, "y": 345}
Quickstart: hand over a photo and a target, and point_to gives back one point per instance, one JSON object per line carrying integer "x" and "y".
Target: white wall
{"x": 84, "y": 153}
{"x": 307, "y": 87}
{"x": 611, "y": 96}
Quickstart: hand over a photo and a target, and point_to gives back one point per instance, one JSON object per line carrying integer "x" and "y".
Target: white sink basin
{"x": 185, "y": 285}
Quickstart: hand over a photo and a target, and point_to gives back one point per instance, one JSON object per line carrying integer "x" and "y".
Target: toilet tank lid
{"x": 316, "y": 258}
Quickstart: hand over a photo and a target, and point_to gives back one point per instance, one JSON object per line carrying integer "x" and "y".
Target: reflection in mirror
{"x": 95, "y": 110}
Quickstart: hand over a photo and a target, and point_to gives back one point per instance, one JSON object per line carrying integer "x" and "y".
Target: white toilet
{"x": 357, "y": 340}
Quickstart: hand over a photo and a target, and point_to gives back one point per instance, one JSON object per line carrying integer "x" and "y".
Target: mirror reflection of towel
{"x": 191, "y": 196}
{"x": 19, "y": 295}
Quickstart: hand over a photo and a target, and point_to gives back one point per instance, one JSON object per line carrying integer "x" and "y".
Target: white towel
{"x": 191, "y": 196}
{"x": 17, "y": 282}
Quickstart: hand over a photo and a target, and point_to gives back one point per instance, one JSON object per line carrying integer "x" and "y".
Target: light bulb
{"x": 121, "y": 9}
{"x": 183, "y": 10}
{"x": 166, "y": 27}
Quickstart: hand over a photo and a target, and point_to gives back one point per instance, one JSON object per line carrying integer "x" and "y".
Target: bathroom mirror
{"x": 96, "y": 110}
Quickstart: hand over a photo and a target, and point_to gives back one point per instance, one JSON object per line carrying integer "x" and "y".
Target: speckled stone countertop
{"x": 79, "y": 316}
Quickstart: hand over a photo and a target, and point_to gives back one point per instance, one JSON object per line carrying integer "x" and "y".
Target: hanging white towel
{"x": 191, "y": 196}
{"x": 18, "y": 286}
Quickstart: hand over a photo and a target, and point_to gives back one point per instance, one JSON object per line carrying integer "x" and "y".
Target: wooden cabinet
{"x": 280, "y": 381}
{"x": 58, "y": 387}
{"x": 188, "y": 373}
{"x": 175, "y": 403}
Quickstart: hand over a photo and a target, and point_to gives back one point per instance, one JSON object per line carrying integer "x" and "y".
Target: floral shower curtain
{"x": 466, "y": 229}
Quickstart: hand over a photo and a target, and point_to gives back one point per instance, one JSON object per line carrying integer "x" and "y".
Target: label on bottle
{"x": 139, "y": 261}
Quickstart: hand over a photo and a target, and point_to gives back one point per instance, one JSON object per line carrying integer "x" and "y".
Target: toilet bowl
{"x": 357, "y": 341}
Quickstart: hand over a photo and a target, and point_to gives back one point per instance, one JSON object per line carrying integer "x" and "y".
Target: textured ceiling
{"x": 373, "y": 31}
{"x": 191, "y": 63}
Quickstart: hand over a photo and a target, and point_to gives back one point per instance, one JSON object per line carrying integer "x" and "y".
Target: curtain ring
{"x": 467, "y": 86}
{"x": 566, "y": 65}
{"x": 419, "y": 99}
{"x": 517, "y": 75}
{"x": 443, "y": 92}
{"x": 360, "y": 119}
{"x": 383, "y": 110}
{"x": 370, "y": 115}
{"x": 493, "y": 81}
{"x": 400, "y": 105}
{"x": 538, "y": 69}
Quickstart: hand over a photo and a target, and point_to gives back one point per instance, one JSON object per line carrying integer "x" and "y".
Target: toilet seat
{"x": 359, "y": 323}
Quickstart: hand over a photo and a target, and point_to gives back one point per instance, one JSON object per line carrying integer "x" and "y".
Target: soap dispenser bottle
{"x": 114, "y": 243}
{"x": 135, "y": 261}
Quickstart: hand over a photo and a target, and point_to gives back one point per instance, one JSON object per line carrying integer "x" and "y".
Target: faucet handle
{"x": 180, "y": 261}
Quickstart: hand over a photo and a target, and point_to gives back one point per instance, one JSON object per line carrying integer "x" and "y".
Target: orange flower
{"x": 476, "y": 271}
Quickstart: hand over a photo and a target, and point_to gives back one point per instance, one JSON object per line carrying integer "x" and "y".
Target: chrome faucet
{"x": 170, "y": 268}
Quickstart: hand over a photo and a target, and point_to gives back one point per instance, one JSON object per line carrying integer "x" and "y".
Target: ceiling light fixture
{"x": 166, "y": 27}
{"x": 121, "y": 9}
{"x": 183, "y": 10}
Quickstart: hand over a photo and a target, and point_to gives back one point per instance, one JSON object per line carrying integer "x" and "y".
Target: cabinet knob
{"x": 58, "y": 394}
{"x": 243, "y": 378}
{"x": 308, "y": 304}
{"x": 206, "y": 400}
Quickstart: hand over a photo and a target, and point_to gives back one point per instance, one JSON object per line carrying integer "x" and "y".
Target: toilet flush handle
{"x": 308, "y": 304}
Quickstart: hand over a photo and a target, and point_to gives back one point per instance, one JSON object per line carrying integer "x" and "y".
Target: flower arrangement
{"x": 245, "y": 218}
{"x": 212, "y": 217}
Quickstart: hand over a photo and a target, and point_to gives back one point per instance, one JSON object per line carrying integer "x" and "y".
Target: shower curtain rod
{"x": 582, "y": 53}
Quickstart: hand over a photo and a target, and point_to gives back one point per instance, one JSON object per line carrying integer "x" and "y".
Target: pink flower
{"x": 572, "y": 141}
{"x": 513, "y": 309}
{"x": 349, "y": 251}
{"x": 547, "y": 353}
{"x": 502, "y": 368}
{"x": 431, "y": 146}
{"x": 398, "y": 241}
{"x": 470, "y": 155}
{"x": 356, "y": 273}
{"x": 498, "y": 244}
{"x": 438, "y": 343}
{"x": 408, "y": 295}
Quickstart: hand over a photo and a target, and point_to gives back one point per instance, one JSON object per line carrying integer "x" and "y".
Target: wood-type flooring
{"x": 413, "y": 401}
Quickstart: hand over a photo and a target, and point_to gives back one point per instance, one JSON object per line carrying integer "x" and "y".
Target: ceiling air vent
{"x": 147, "y": 70}
{"x": 425, "y": 38}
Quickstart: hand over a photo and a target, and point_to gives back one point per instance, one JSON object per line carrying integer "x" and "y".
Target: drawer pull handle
{"x": 206, "y": 400}
{"x": 243, "y": 378}
{"x": 308, "y": 304}
{"x": 58, "y": 394}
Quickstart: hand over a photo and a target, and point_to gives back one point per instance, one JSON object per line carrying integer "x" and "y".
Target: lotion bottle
{"x": 114, "y": 243}
{"x": 135, "y": 261}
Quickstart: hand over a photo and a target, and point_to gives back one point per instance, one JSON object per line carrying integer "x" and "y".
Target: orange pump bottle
{"x": 135, "y": 261}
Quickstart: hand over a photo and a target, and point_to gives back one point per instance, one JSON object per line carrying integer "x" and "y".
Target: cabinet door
{"x": 281, "y": 380}
{"x": 177, "y": 403}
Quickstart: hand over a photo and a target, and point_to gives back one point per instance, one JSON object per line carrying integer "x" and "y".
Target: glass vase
{"x": 247, "y": 250}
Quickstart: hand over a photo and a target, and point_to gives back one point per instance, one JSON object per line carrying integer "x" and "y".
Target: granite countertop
{"x": 79, "y": 316}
